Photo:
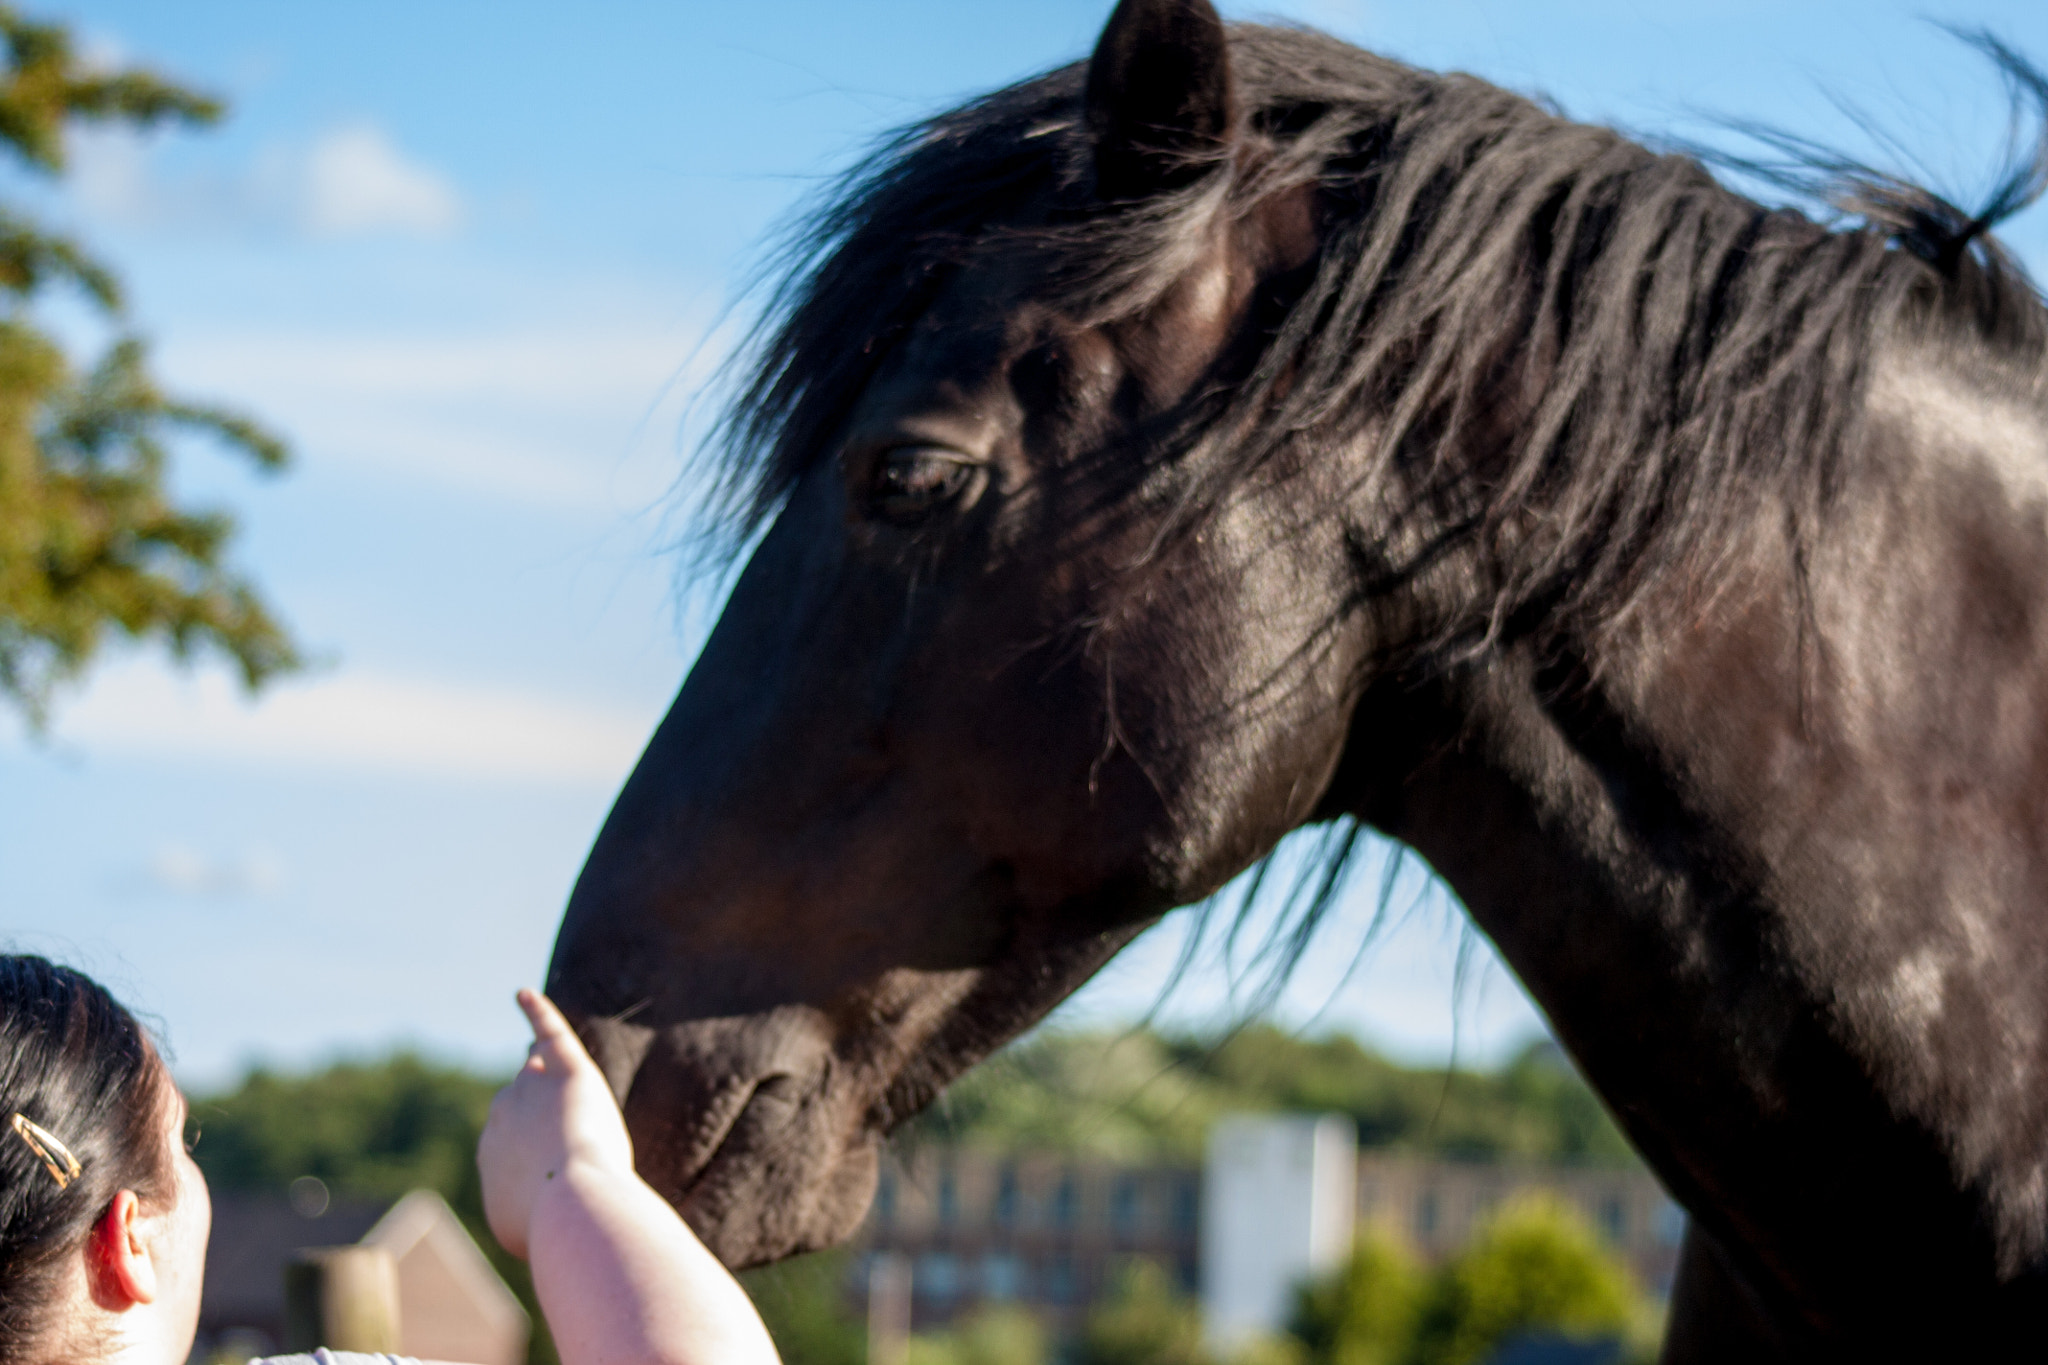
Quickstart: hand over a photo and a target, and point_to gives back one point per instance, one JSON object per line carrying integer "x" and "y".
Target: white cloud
{"x": 584, "y": 417}
{"x": 184, "y": 870}
{"x": 355, "y": 720}
{"x": 357, "y": 182}
{"x": 591, "y": 368}
{"x": 492, "y": 460}
{"x": 107, "y": 171}
{"x": 352, "y": 180}
{"x": 102, "y": 53}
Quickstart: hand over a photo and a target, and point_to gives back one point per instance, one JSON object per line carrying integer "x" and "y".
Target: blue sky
{"x": 471, "y": 258}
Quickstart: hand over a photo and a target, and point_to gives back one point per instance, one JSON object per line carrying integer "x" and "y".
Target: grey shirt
{"x": 323, "y": 1356}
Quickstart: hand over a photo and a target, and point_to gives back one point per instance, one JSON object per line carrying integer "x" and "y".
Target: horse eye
{"x": 911, "y": 482}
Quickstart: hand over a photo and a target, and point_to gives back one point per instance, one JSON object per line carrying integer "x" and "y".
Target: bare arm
{"x": 622, "y": 1279}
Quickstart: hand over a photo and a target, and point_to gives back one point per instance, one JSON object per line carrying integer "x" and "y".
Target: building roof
{"x": 254, "y": 1237}
{"x": 452, "y": 1304}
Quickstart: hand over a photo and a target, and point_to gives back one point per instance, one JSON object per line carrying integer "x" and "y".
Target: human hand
{"x": 558, "y": 1112}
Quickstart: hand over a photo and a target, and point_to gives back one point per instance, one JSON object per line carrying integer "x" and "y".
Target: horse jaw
{"x": 765, "y": 1130}
{"x": 756, "y": 1155}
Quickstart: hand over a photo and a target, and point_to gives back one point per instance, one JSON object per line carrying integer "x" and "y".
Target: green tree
{"x": 1364, "y": 1313}
{"x": 1535, "y": 1266}
{"x": 1536, "y": 1108}
{"x": 1140, "y": 1096}
{"x": 1122, "y": 1096}
{"x": 1144, "y": 1320}
{"x": 91, "y": 540}
{"x": 989, "y": 1336}
{"x": 1283, "y": 1349}
{"x": 803, "y": 1302}
{"x": 370, "y": 1130}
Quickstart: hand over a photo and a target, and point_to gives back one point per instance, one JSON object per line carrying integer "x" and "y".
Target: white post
{"x": 889, "y": 1309}
{"x": 1279, "y": 1202}
{"x": 344, "y": 1298}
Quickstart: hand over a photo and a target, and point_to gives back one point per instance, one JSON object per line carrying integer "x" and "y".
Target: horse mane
{"x": 1676, "y": 356}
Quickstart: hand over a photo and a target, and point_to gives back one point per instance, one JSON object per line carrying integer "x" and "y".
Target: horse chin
{"x": 764, "y": 1199}
{"x": 754, "y": 1152}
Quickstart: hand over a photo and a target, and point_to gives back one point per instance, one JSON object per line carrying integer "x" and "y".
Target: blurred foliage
{"x": 370, "y": 1131}
{"x": 805, "y": 1304}
{"x": 1280, "y": 1350}
{"x": 987, "y": 1336}
{"x": 91, "y": 539}
{"x": 1366, "y": 1312}
{"x": 1144, "y": 1320}
{"x": 1142, "y": 1096}
{"x": 1535, "y": 1267}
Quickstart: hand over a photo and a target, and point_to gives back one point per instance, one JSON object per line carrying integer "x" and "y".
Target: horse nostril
{"x": 782, "y": 1091}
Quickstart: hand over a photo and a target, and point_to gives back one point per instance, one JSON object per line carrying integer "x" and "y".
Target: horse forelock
{"x": 1677, "y": 359}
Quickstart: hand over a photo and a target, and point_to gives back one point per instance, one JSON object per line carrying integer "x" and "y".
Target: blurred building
{"x": 1049, "y": 1231}
{"x": 255, "y": 1236}
{"x": 1039, "y": 1229}
{"x": 1436, "y": 1206}
{"x": 452, "y": 1304}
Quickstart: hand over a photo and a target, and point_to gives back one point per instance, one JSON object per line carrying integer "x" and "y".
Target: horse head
{"x": 976, "y": 711}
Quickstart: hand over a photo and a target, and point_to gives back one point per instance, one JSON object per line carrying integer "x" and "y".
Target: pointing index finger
{"x": 548, "y": 1024}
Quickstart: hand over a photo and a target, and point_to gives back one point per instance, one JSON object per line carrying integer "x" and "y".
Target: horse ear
{"x": 1160, "y": 101}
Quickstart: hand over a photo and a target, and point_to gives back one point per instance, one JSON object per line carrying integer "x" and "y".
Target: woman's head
{"x": 80, "y": 1069}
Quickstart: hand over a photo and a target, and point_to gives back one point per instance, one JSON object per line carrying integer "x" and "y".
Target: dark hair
{"x": 77, "y": 1064}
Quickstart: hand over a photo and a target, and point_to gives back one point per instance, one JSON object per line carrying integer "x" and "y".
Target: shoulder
{"x": 323, "y": 1356}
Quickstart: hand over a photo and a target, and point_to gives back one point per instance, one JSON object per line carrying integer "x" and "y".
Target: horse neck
{"x": 1773, "y": 863}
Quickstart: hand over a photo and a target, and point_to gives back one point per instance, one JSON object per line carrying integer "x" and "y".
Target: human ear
{"x": 124, "y": 1272}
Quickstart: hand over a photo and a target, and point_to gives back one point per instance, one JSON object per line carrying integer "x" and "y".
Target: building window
{"x": 1426, "y": 1215}
{"x": 1670, "y": 1223}
{"x": 1187, "y": 1205}
{"x": 1123, "y": 1205}
{"x": 1062, "y": 1285}
{"x": 1002, "y": 1276}
{"x": 1066, "y": 1202}
{"x": 885, "y": 1200}
{"x": 937, "y": 1276}
{"x": 949, "y": 1200}
{"x": 1614, "y": 1218}
{"x": 1006, "y": 1198}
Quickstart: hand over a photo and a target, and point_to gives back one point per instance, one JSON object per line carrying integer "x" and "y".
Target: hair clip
{"x": 56, "y": 1157}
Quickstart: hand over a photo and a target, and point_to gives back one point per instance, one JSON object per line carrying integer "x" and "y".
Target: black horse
{"x": 1241, "y": 431}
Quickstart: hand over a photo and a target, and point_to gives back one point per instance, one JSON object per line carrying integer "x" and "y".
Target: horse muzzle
{"x": 750, "y": 1127}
